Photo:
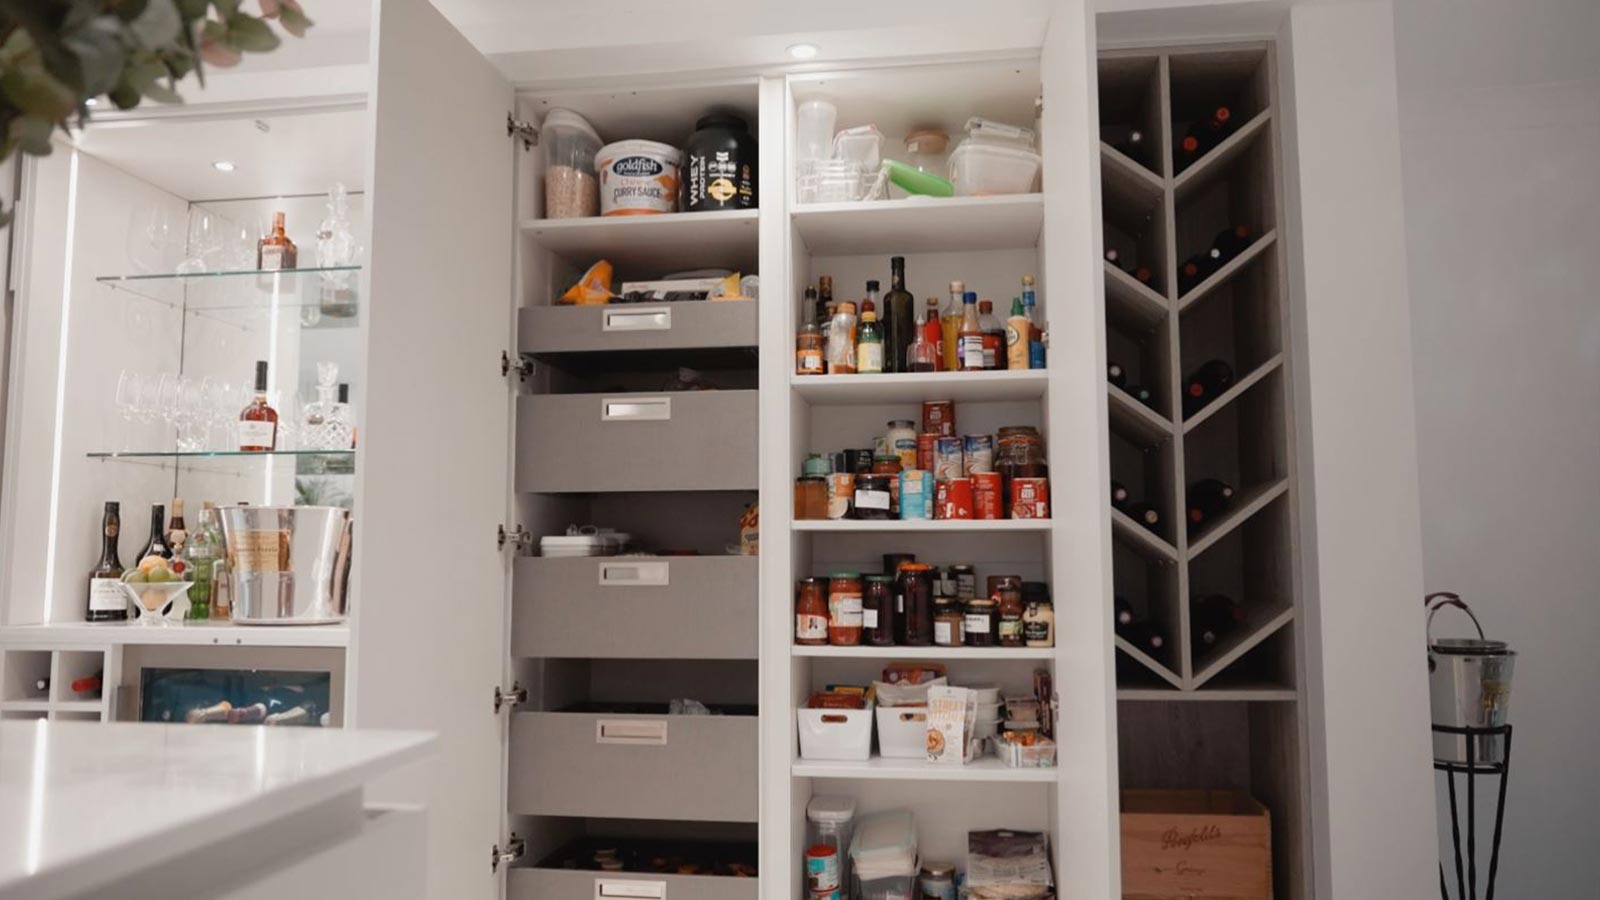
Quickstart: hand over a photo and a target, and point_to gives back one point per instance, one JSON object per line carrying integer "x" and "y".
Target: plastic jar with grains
{"x": 570, "y": 144}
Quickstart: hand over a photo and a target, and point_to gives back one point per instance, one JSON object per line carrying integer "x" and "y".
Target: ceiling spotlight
{"x": 802, "y": 51}
{"x": 223, "y": 165}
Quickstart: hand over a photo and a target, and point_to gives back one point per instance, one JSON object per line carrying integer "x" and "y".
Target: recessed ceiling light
{"x": 223, "y": 165}
{"x": 802, "y": 51}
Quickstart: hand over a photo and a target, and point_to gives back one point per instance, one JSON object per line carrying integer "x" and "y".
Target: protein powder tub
{"x": 719, "y": 165}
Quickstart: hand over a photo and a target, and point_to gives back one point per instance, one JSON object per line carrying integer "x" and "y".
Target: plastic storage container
{"x": 994, "y": 159}
{"x": 719, "y": 165}
{"x": 813, "y": 129}
{"x": 638, "y": 178}
{"x": 831, "y": 820}
{"x": 840, "y": 734}
{"x": 570, "y": 144}
{"x": 884, "y": 856}
{"x": 903, "y": 732}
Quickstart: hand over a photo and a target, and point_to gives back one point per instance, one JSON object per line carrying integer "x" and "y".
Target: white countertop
{"x": 83, "y": 803}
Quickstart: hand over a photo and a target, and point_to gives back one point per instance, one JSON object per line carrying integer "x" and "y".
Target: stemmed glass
{"x": 129, "y": 386}
{"x": 189, "y": 414}
{"x": 205, "y": 241}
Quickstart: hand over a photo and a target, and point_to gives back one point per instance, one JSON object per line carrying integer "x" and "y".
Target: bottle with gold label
{"x": 107, "y": 602}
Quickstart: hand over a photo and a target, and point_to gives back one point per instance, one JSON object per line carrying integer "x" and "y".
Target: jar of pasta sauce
{"x": 844, "y": 609}
{"x": 811, "y": 612}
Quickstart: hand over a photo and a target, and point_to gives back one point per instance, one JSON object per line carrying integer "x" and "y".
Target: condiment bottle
{"x": 950, "y": 328}
{"x": 1009, "y": 598}
{"x": 933, "y": 333}
{"x": 808, "y": 358}
{"x": 877, "y": 611}
{"x": 811, "y": 612}
{"x": 1039, "y": 624}
{"x": 922, "y": 355}
{"x": 994, "y": 337}
{"x": 1036, "y": 337}
{"x": 869, "y": 341}
{"x": 1019, "y": 333}
{"x": 971, "y": 335}
{"x": 841, "y": 340}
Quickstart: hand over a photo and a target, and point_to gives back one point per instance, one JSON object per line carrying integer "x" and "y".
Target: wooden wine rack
{"x": 1157, "y": 213}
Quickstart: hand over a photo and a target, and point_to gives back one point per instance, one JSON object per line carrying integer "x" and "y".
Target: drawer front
{"x": 697, "y": 768}
{"x": 683, "y": 607}
{"x": 682, "y": 441}
{"x": 637, "y": 326}
{"x": 565, "y": 884}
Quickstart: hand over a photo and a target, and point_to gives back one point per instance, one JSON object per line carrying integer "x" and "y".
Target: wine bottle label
{"x": 106, "y": 595}
{"x": 869, "y": 358}
{"x": 257, "y": 434}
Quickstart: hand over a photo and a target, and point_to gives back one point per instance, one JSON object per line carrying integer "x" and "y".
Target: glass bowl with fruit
{"x": 158, "y": 589}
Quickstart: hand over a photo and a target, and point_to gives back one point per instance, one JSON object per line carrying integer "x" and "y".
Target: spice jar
{"x": 873, "y": 499}
{"x": 948, "y": 622}
{"x": 878, "y": 611}
{"x": 916, "y": 592}
{"x": 844, "y": 609}
{"x": 982, "y": 622}
{"x": 1009, "y": 597}
{"x": 808, "y": 359}
{"x": 811, "y": 612}
{"x": 1039, "y": 624}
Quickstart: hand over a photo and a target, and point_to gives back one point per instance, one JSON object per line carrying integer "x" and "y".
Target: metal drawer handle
{"x": 636, "y": 409}
{"x": 647, "y": 318}
{"x": 639, "y": 732}
{"x": 650, "y": 890}
{"x": 634, "y": 573}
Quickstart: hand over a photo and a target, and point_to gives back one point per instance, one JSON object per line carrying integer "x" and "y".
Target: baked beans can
{"x": 939, "y": 417}
{"x": 822, "y": 869}
{"x": 953, "y": 499}
{"x": 979, "y": 450}
{"x": 947, "y": 459}
{"x": 1030, "y": 498}
{"x": 927, "y": 447}
{"x": 916, "y": 494}
{"x": 987, "y": 501}
{"x": 841, "y": 493}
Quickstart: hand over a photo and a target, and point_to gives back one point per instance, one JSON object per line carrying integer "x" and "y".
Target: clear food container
{"x": 570, "y": 144}
{"x": 995, "y": 158}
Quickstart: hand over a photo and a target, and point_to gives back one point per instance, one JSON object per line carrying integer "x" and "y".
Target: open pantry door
{"x": 430, "y": 639}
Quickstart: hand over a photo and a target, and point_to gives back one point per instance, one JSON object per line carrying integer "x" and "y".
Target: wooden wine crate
{"x": 1195, "y": 845}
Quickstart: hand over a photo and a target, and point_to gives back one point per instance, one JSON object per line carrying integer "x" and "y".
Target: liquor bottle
{"x": 899, "y": 312}
{"x": 107, "y": 603}
{"x": 275, "y": 251}
{"x": 1230, "y": 242}
{"x": 1124, "y": 612}
{"x": 1145, "y": 515}
{"x": 933, "y": 332}
{"x": 950, "y": 327}
{"x": 824, "y": 301}
{"x": 994, "y": 337}
{"x": 971, "y": 334}
{"x": 157, "y": 545}
{"x": 1208, "y": 498}
{"x": 258, "y": 422}
{"x": 1142, "y": 394}
{"x": 869, "y": 339}
{"x": 1212, "y": 616}
{"x": 923, "y": 354}
{"x": 200, "y": 552}
{"x": 177, "y": 529}
{"x": 1030, "y": 302}
{"x": 1116, "y": 374}
{"x": 1019, "y": 334}
{"x": 1119, "y": 495}
{"x": 1205, "y": 384}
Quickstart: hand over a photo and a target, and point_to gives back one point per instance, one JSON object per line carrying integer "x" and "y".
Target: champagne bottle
{"x": 1208, "y": 499}
{"x": 1116, "y": 374}
{"x": 1212, "y": 617}
{"x": 1206, "y": 384}
{"x": 157, "y": 545}
{"x": 1145, "y": 514}
{"x": 107, "y": 602}
{"x": 1119, "y": 495}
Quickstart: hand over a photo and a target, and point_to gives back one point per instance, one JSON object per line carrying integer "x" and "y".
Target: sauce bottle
{"x": 994, "y": 337}
{"x": 970, "y": 334}
{"x": 1019, "y": 335}
{"x": 950, "y": 328}
{"x": 869, "y": 342}
{"x": 933, "y": 333}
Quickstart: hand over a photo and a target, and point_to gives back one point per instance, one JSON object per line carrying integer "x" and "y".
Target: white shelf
{"x": 653, "y": 244}
{"x": 953, "y": 526}
{"x": 988, "y": 768}
{"x": 28, "y": 705}
{"x": 921, "y": 225}
{"x": 222, "y": 634}
{"x": 909, "y": 387}
{"x": 942, "y": 653}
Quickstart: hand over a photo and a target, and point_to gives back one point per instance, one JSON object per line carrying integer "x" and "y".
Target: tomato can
{"x": 953, "y": 499}
{"x": 939, "y": 417}
{"x": 1030, "y": 498}
{"x": 986, "y": 497}
{"x": 841, "y": 494}
{"x": 916, "y": 494}
{"x": 927, "y": 447}
{"x": 947, "y": 458}
{"x": 979, "y": 451}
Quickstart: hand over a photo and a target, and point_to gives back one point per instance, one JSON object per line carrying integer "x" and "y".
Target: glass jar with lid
{"x": 877, "y": 611}
{"x": 873, "y": 497}
{"x": 916, "y": 592}
{"x": 811, "y": 612}
{"x": 844, "y": 609}
{"x": 982, "y": 622}
{"x": 949, "y": 621}
{"x": 1019, "y": 453}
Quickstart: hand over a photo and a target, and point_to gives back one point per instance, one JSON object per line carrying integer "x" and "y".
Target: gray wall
{"x": 1500, "y": 122}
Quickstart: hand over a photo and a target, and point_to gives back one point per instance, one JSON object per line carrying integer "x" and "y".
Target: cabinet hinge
{"x": 518, "y": 537}
{"x": 513, "y": 851}
{"x": 516, "y": 695}
{"x": 529, "y": 132}
{"x": 523, "y": 367}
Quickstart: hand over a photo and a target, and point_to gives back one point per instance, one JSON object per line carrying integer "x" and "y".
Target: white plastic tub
{"x": 979, "y": 168}
{"x": 903, "y": 732}
{"x": 638, "y": 178}
{"x": 836, "y": 734}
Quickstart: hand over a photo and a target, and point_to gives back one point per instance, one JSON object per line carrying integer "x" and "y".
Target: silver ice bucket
{"x": 1469, "y": 686}
{"x": 286, "y": 565}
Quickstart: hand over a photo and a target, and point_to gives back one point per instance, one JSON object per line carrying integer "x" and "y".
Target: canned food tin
{"x": 841, "y": 494}
{"x": 939, "y": 417}
{"x": 916, "y": 494}
{"x": 822, "y": 869}
{"x": 1030, "y": 498}
{"x": 825, "y": 895}
{"x": 986, "y": 496}
{"x": 947, "y": 458}
{"x": 953, "y": 499}
{"x": 979, "y": 450}
{"x": 927, "y": 443}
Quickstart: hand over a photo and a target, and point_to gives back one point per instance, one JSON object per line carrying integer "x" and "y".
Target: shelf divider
{"x": 1135, "y": 419}
{"x": 1250, "y": 501}
{"x": 1144, "y": 538}
{"x": 1232, "y": 393}
{"x": 1221, "y": 276}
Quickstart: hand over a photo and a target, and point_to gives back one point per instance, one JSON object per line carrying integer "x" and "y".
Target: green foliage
{"x": 56, "y": 55}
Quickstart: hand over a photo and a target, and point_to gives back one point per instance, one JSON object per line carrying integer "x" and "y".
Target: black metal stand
{"x": 1467, "y": 881}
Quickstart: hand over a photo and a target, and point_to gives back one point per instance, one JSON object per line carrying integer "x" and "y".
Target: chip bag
{"x": 594, "y": 287}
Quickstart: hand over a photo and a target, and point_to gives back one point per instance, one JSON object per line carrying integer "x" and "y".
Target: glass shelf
{"x": 248, "y": 289}
{"x": 306, "y": 462}
{"x": 214, "y": 454}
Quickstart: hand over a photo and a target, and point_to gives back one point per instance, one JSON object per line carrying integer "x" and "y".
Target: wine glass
{"x": 152, "y": 237}
{"x": 205, "y": 241}
{"x": 190, "y": 413}
{"x": 129, "y": 386}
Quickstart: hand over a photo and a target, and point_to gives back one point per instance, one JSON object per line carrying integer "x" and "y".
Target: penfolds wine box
{"x": 1195, "y": 845}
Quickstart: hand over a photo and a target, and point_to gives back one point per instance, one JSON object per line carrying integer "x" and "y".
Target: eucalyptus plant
{"x": 58, "y": 55}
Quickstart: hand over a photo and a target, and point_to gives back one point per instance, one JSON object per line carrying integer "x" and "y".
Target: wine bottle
{"x": 177, "y": 530}
{"x": 1205, "y": 133}
{"x": 41, "y": 685}
{"x": 107, "y": 603}
{"x": 1194, "y": 270}
{"x": 1144, "y": 636}
{"x": 1144, "y": 276}
{"x": 899, "y": 311}
{"x": 1230, "y": 242}
{"x": 1124, "y": 612}
{"x": 1113, "y": 257}
{"x": 1126, "y": 139}
{"x": 87, "y": 685}
{"x": 1205, "y": 384}
{"x": 1208, "y": 498}
{"x": 1212, "y": 616}
{"x": 1142, "y": 394}
{"x": 1119, "y": 495}
{"x": 1116, "y": 374}
{"x": 157, "y": 545}
{"x": 1145, "y": 514}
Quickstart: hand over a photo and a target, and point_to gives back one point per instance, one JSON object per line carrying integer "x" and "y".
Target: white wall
{"x": 1500, "y": 140}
